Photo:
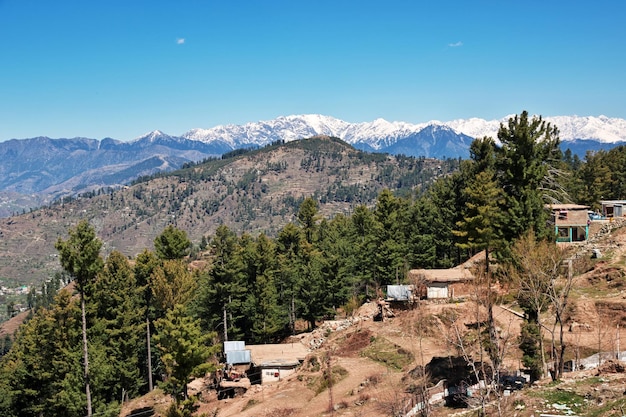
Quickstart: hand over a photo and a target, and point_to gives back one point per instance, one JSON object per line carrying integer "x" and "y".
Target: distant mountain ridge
{"x": 58, "y": 166}
{"x": 252, "y": 192}
{"x": 48, "y": 168}
{"x": 380, "y": 134}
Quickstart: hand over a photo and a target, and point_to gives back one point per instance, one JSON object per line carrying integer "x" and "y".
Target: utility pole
{"x": 618, "y": 355}
{"x": 225, "y": 326}
{"x": 150, "y": 385}
{"x": 331, "y": 405}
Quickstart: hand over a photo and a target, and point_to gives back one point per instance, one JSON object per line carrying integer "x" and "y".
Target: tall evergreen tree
{"x": 595, "y": 179}
{"x": 223, "y": 287}
{"x": 362, "y": 235}
{"x": 446, "y": 198}
{"x": 481, "y": 224}
{"x": 172, "y": 283}
{"x": 119, "y": 311}
{"x": 420, "y": 234}
{"x": 289, "y": 244}
{"x": 145, "y": 265}
{"x": 172, "y": 244}
{"x": 390, "y": 254}
{"x": 268, "y": 320}
{"x": 184, "y": 349}
{"x": 336, "y": 248}
{"x": 528, "y": 152}
{"x": 313, "y": 294}
{"x": 308, "y": 217}
{"x": 45, "y": 363}
{"x": 80, "y": 257}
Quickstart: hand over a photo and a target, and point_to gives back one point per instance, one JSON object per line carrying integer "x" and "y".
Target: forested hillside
{"x": 253, "y": 192}
{"x": 273, "y": 240}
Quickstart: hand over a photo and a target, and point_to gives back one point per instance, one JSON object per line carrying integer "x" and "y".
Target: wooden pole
{"x": 331, "y": 405}
{"x": 225, "y": 326}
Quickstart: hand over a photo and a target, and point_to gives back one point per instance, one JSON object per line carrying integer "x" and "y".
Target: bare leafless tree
{"x": 537, "y": 271}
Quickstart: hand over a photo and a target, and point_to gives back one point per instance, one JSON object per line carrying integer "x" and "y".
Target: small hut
{"x": 441, "y": 283}
{"x": 570, "y": 221}
{"x": 272, "y": 362}
{"x": 613, "y": 208}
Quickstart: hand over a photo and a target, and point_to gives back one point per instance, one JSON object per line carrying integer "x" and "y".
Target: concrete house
{"x": 446, "y": 283}
{"x": 442, "y": 283}
{"x": 272, "y": 362}
{"x": 570, "y": 221}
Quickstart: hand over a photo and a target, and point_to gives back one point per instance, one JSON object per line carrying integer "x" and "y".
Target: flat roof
{"x": 443, "y": 275}
{"x": 284, "y": 354}
{"x": 573, "y": 218}
{"x": 613, "y": 202}
{"x": 567, "y": 207}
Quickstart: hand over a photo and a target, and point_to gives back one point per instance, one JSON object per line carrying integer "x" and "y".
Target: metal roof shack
{"x": 613, "y": 208}
{"x": 236, "y": 352}
{"x": 400, "y": 292}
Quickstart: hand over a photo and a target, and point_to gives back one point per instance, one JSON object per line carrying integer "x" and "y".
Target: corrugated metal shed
{"x": 234, "y": 345}
{"x": 399, "y": 292}
{"x": 234, "y": 357}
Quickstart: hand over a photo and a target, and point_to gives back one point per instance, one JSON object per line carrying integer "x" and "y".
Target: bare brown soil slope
{"x": 375, "y": 362}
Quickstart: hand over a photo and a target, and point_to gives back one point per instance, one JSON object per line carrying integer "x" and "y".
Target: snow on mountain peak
{"x": 380, "y": 133}
{"x": 150, "y": 136}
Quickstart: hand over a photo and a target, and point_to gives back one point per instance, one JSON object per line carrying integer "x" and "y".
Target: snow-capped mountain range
{"x": 56, "y": 167}
{"x": 380, "y": 134}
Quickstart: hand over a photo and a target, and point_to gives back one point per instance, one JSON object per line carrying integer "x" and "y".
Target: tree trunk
{"x": 292, "y": 316}
{"x": 562, "y": 351}
{"x": 541, "y": 346}
{"x": 150, "y": 386}
{"x": 494, "y": 353}
{"x": 85, "y": 353}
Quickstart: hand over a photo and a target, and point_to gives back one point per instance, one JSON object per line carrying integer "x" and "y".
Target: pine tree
{"x": 445, "y": 198}
{"x": 288, "y": 246}
{"x": 43, "y": 369}
{"x": 362, "y": 236}
{"x": 336, "y": 249}
{"x": 529, "y": 150}
{"x": 224, "y": 287}
{"x": 481, "y": 224}
{"x": 172, "y": 244}
{"x": 390, "y": 254}
{"x": 145, "y": 265}
{"x": 184, "y": 349}
{"x": 119, "y": 313}
{"x": 421, "y": 235}
{"x": 80, "y": 257}
{"x": 308, "y": 217}
{"x": 265, "y": 318}
{"x": 313, "y": 294}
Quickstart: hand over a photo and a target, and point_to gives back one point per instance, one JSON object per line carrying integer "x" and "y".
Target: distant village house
{"x": 613, "y": 208}
{"x": 570, "y": 222}
{"x": 273, "y": 362}
{"x": 441, "y": 283}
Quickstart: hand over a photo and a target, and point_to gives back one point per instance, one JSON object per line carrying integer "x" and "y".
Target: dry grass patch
{"x": 389, "y": 354}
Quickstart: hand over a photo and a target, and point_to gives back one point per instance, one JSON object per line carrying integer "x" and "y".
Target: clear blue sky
{"x": 123, "y": 68}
